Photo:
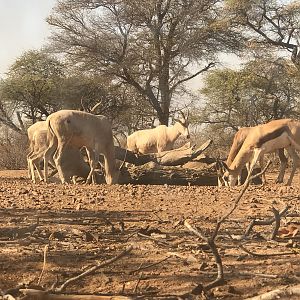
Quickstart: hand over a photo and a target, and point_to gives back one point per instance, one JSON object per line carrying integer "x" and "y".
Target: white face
{"x": 184, "y": 128}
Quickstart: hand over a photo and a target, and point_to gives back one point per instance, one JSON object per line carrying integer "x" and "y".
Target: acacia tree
{"x": 266, "y": 23}
{"x": 121, "y": 104}
{"x": 31, "y": 88}
{"x": 151, "y": 45}
{"x": 264, "y": 89}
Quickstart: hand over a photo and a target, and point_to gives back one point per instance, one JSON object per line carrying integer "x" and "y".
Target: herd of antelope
{"x": 51, "y": 139}
{"x": 63, "y": 130}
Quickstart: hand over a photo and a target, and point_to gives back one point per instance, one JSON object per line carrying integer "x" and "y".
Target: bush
{"x": 13, "y": 151}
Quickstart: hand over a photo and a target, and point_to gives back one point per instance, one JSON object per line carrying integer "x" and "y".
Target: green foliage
{"x": 33, "y": 85}
{"x": 259, "y": 92}
{"x": 150, "y": 47}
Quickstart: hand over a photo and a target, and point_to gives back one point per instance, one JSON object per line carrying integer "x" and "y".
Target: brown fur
{"x": 270, "y": 136}
{"x": 266, "y": 138}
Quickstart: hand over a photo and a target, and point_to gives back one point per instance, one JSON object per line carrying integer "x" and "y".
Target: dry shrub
{"x": 13, "y": 150}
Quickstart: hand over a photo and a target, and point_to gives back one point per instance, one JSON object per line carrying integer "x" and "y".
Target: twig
{"x": 94, "y": 268}
{"x": 211, "y": 240}
{"x": 272, "y": 276}
{"x": 137, "y": 284}
{"x": 266, "y": 254}
{"x": 276, "y": 218}
{"x": 276, "y": 223}
{"x": 130, "y": 236}
{"x": 239, "y": 197}
{"x": 153, "y": 239}
{"x": 44, "y": 264}
{"x": 141, "y": 267}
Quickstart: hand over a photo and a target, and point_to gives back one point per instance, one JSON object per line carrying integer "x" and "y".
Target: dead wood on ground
{"x": 283, "y": 293}
{"x": 270, "y": 221}
{"x": 166, "y": 167}
{"x": 210, "y": 240}
{"x": 173, "y": 157}
{"x": 93, "y": 269}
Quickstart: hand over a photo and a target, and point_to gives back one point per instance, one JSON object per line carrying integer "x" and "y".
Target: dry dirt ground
{"x": 84, "y": 225}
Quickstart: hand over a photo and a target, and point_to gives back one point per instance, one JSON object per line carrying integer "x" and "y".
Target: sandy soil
{"x": 84, "y": 225}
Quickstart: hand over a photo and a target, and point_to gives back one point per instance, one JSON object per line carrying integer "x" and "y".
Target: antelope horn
{"x": 95, "y": 107}
{"x": 82, "y": 105}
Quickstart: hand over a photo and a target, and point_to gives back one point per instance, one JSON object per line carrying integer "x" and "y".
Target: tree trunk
{"x": 168, "y": 167}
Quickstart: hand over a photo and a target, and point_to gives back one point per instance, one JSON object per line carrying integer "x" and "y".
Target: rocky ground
{"x": 83, "y": 225}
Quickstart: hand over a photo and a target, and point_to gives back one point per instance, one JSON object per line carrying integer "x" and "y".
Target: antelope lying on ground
{"x": 263, "y": 139}
{"x": 81, "y": 129}
{"x": 237, "y": 143}
{"x": 156, "y": 140}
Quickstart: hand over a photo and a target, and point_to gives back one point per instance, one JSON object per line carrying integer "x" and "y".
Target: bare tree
{"x": 269, "y": 22}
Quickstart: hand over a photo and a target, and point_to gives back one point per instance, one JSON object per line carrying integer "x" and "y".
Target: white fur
{"x": 156, "y": 140}
{"x": 81, "y": 129}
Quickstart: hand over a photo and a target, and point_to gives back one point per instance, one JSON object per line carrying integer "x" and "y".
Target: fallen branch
{"x": 93, "y": 269}
{"x": 141, "y": 267}
{"x": 173, "y": 157}
{"x": 279, "y": 293}
{"x": 265, "y": 254}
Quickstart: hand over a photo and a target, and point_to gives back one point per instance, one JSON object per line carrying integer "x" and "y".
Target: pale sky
{"x": 22, "y": 27}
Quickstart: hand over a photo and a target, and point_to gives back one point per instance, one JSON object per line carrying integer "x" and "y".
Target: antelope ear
{"x": 224, "y": 165}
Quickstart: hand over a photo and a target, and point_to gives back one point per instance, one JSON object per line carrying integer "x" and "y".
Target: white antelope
{"x": 37, "y": 136}
{"x": 237, "y": 143}
{"x": 156, "y": 140}
{"x": 81, "y": 129}
{"x": 263, "y": 139}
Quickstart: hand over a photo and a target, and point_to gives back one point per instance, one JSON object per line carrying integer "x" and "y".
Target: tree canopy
{"x": 266, "y": 23}
{"x": 262, "y": 90}
{"x": 150, "y": 46}
{"x": 31, "y": 88}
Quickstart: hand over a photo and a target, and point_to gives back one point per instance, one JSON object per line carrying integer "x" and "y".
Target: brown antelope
{"x": 237, "y": 143}
{"x": 81, "y": 129}
{"x": 263, "y": 139}
{"x": 156, "y": 140}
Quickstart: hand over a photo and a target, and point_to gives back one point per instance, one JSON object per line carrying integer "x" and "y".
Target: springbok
{"x": 237, "y": 143}
{"x": 263, "y": 139}
{"x": 156, "y": 140}
{"x": 81, "y": 129}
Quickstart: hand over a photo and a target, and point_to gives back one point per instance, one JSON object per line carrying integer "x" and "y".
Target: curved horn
{"x": 188, "y": 114}
{"x": 95, "y": 107}
{"x": 182, "y": 114}
{"x": 82, "y": 105}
